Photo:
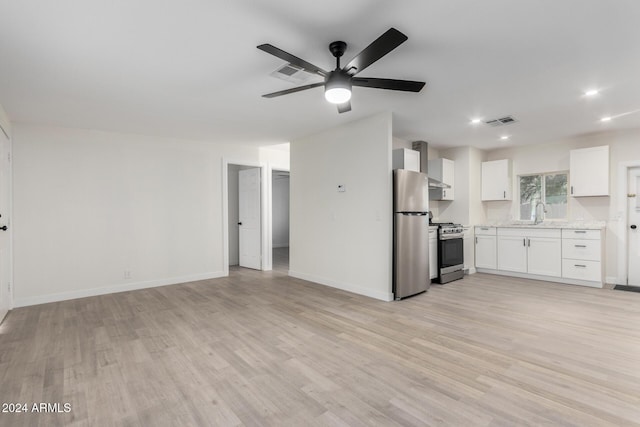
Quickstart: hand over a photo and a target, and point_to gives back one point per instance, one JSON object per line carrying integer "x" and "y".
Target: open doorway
{"x": 280, "y": 220}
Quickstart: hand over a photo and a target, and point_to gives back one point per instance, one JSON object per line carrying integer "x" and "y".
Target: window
{"x": 549, "y": 188}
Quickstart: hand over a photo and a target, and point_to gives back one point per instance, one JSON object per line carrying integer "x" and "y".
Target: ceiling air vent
{"x": 506, "y": 120}
{"x": 291, "y": 73}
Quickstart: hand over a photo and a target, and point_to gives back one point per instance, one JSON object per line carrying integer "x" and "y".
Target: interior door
{"x": 633, "y": 229}
{"x": 5, "y": 247}
{"x": 250, "y": 231}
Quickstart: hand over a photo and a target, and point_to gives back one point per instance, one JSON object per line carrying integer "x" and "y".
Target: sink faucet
{"x": 540, "y": 218}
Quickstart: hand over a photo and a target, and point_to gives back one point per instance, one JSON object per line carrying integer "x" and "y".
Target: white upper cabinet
{"x": 442, "y": 170}
{"x": 404, "y": 158}
{"x": 589, "y": 171}
{"x": 496, "y": 180}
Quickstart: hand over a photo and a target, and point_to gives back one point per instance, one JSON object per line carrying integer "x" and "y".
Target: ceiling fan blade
{"x": 292, "y": 90}
{"x": 344, "y": 107}
{"x": 306, "y": 66}
{"x": 376, "y": 50}
{"x": 391, "y": 84}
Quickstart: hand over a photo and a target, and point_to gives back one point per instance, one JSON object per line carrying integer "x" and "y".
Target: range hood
{"x": 422, "y": 146}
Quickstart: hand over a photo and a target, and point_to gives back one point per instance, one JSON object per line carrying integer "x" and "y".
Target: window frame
{"x": 543, "y": 192}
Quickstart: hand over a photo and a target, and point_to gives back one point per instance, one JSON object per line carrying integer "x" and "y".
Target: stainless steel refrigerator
{"x": 410, "y": 233}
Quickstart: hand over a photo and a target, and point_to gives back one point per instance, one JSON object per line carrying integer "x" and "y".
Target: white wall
{"x": 624, "y": 146}
{"x": 90, "y": 206}
{"x": 344, "y": 239}
{"x": 280, "y": 210}
{"x": 466, "y": 208}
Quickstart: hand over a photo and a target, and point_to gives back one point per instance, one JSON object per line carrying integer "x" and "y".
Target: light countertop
{"x": 575, "y": 225}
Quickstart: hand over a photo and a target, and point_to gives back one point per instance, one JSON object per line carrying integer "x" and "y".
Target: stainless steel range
{"x": 450, "y": 252}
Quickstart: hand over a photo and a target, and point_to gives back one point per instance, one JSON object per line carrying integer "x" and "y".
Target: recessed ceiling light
{"x": 475, "y": 121}
{"x": 592, "y": 92}
{"x": 504, "y": 137}
{"x": 605, "y": 119}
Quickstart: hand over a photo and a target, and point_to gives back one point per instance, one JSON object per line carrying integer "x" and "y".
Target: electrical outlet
{"x": 127, "y": 274}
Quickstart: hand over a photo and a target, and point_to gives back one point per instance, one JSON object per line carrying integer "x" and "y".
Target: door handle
{"x": 239, "y": 223}
{"x": 633, "y": 226}
{"x": 3, "y": 228}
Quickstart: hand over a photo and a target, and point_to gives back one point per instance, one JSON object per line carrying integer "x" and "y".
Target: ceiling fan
{"x": 338, "y": 83}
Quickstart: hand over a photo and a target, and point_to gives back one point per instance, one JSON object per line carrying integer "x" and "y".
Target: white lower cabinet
{"x": 582, "y": 254}
{"x": 485, "y": 251}
{"x": 563, "y": 255}
{"x": 544, "y": 256}
{"x": 433, "y": 252}
{"x": 581, "y": 270}
{"x": 512, "y": 253}
{"x": 533, "y": 251}
{"x": 468, "y": 248}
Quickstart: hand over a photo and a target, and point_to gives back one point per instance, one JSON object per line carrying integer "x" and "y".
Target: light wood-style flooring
{"x": 261, "y": 348}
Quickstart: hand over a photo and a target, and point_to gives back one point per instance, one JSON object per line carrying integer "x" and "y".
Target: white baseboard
{"x": 543, "y": 278}
{"x": 470, "y": 270}
{"x": 83, "y": 293}
{"x": 383, "y": 296}
{"x": 612, "y": 280}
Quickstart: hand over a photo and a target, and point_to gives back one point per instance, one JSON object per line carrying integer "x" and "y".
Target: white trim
{"x": 384, "y": 296}
{"x": 543, "y": 278}
{"x": 83, "y": 293}
{"x": 623, "y": 186}
{"x": 613, "y": 280}
{"x": 471, "y": 270}
{"x": 265, "y": 245}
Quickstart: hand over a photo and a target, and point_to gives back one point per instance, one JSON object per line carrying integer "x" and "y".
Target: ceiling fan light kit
{"x": 339, "y": 82}
{"x": 337, "y": 89}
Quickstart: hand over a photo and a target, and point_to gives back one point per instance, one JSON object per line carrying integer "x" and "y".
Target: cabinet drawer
{"x": 529, "y": 232}
{"x": 581, "y": 249}
{"x": 582, "y": 270}
{"x": 581, "y": 234}
{"x": 487, "y": 231}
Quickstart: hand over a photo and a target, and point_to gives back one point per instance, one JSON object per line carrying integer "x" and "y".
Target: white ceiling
{"x": 191, "y": 69}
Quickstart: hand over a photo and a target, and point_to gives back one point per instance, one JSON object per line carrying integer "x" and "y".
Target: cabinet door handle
{"x": 580, "y": 246}
{"x": 476, "y": 240}
{"x": 504, "y": 194}
{"x": 524, "y": 242}
{"x": 572, "y": 189}
{"x": 580, "y": 231}
{"x": 444, "y": 194}
{"x": 529, "y": 242}
{"x": 580, "y": 265}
